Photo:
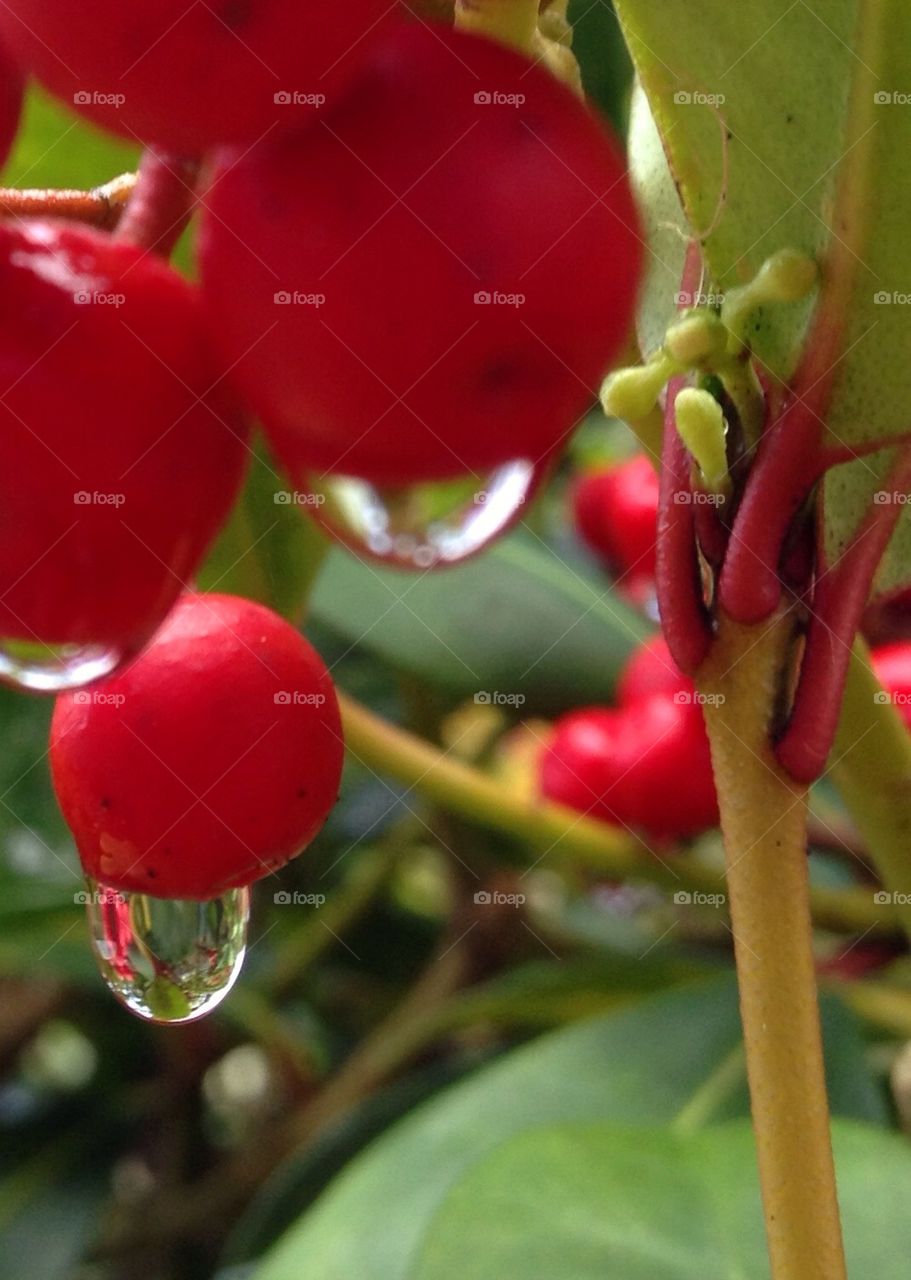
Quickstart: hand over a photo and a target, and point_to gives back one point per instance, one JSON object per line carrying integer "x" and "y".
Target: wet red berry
{"x": 892, "y": 664}
{"x": 10, "y": 102}
{"x": 120, "y": 453}
{"x": 651, "y": 670}
{"x": 210, "y": 761}
{"x": 433, "y": 280}
{"x": 616, "y": 514}
{"x": 192, "y": 75}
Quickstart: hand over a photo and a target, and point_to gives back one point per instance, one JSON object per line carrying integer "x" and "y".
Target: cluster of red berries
{"x": 643, "y": 764}
{"x": 616, "y": 516}
{"x": 418, "y": 254}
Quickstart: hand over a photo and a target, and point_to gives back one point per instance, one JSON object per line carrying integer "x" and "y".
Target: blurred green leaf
{"x": 642, "y": 1065}
{"x": 519, "y": 620}
{"x": 648, "y": 1204}
{"x": 55, "y": 148}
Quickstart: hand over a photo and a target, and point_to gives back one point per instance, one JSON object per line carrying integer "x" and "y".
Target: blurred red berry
{"x": 616, "y": 514}
{"x": 645, "y": 766}
{"x": 651, "y": 670}
{"x": 892, "y": 664}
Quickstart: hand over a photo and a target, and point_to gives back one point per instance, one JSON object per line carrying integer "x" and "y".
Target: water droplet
{"x": 166, "y": 959}
{"x": 421, "y": 526}
{"x": 51, "y": 668}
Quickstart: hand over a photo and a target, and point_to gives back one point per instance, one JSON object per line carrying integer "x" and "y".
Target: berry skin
{"x": 892, "y": 664}
{"x": 120, "y": 454}
{"x": 651, "y": 670}
{"x": 616, "y": 514}
{"x": 209, "y": 762}
{"x": 645, "y": 764}
{"x": 10, "y": 102}
{"x": 191, "y": 76}
{"x": 459, "y": 324}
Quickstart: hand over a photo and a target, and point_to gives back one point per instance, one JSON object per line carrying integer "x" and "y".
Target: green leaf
{"x": 775, "y": 119}
{"x": 670, "y": 1054}
{"x": 268, "y": 551}
{"x": 55, "y": 148}
{"x": 518, "y": 620}
{"x": 590, "y": 1202}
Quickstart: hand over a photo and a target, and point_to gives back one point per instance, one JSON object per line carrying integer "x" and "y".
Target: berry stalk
{"x": 100, "y": 207}
{"x": 763, "y": 819}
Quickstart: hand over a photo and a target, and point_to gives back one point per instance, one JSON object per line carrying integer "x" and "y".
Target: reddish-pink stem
{"x": 162, "y": 202}
{"x": 678, "y": 578}
{"x": 839, "y": 599}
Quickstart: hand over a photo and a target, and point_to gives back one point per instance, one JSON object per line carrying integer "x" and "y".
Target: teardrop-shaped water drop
{"x": 424, "y": 525}
{"x": 51, "y": 668}
{"x": 168, "y": 960}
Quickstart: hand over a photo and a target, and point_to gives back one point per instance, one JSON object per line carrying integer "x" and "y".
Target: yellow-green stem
{"x": 512, "y": 22}
{"x": 763, "y": 818}
{"x": 872, "y": 770}
{"x": 559, "y": 833}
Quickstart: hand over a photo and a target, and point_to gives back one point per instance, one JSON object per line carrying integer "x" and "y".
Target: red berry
{"x": 120, "y": 455}
{"x": 189, "y": 76}
{"x": 210, "y": 761}
{"x": 645, "y": 766}
{"x": 453, "y": 271}
{"x": 10, "y": 102}
{"x": 892, "y": 664}
{"x": 651, "y": 670}
{"x": 616, "y": 513}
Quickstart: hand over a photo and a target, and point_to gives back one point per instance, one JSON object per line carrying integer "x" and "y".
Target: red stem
{"x": 839, "y": 599}
{"x": 162, "y": 202}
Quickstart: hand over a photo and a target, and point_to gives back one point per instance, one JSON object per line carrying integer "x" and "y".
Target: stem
{"x": 615, "y": 854}
{"x": 511, "y": 22}
{"x": 763, "y": 818}
{"x": 101, "y": 207}
{"x": 162, "y": 202}
{"x": 873, "y": 775}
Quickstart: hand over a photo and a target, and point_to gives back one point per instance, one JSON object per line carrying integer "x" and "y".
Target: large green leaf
{"x": 789, "y": 125}
{"x": 670, "y": 1054}
{"x": 519, "y": 621}
{"x": 640, "y": 1204}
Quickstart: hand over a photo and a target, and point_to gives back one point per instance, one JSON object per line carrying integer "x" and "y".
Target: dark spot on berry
{"x": 151, "y": 873}
{"x": 501, "y": 375}
{"x": 105, "y": 802}
{"x": 302, "y": 793}
{"x": 234, "y": 13}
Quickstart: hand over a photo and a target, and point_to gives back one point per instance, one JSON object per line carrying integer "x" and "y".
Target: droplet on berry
{"x": 424, "y": 526}
{"x": 52, "y": 668}
{"x": 168, "y": 960}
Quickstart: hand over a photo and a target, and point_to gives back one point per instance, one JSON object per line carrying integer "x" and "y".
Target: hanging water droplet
{"x": 51, "y": 668}
{"x": 168, "y": 960}
{"x": 420, "y": 526}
